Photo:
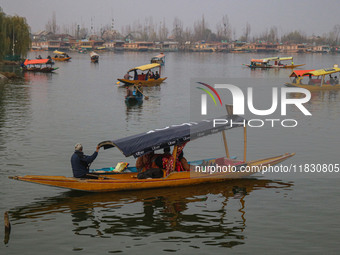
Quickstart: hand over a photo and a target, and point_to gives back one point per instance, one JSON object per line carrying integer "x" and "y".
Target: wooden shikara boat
{"x": 264, "y": 63}
{"x": 142, "y": 78}
{"x": 159, "y": 59}
{"x": 177, "y": 136}
{"x": 317, "y": 79}
{"x": 94, "y": 57}
{"x": 61, "y": 56}
{"x": 39, "y": 65}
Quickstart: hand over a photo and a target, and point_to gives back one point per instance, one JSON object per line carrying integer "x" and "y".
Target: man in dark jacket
{"x": 80, "y": 162}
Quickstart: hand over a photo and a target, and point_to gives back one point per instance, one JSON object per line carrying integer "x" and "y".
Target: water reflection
{"x": 212, "y": 213}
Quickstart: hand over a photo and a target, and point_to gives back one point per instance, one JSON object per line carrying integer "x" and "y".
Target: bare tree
{"x": 224, "y": 29}
{"x": 177, "y": 30}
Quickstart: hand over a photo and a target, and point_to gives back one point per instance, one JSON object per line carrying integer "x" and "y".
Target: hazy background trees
{"x": 14, "y": 35}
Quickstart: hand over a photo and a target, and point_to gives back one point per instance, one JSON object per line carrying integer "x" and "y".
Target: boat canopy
{"x": 144, "y": 143}
{"x": 322, "y": 72}
{"x": 37, "y": 61}
{"x": 145, "y": 67}
{"x": 93, "y": 54}
{"x": 297, "y": 73}
{"x": 59, "y": 52}
{"x": 285, "y": 58}
{"x": 264, "y": 60}
{"x": 159, "y": 56}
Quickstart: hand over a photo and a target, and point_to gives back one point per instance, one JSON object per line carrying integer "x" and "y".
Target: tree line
{"x": 150, "y": 30}
{"x": 14, "y": 35}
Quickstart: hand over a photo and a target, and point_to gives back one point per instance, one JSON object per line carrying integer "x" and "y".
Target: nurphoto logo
{"x": 239, "y": 105}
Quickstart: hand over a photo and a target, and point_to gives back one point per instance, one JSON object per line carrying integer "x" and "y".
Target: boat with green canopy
{"x": 176, "y": 137}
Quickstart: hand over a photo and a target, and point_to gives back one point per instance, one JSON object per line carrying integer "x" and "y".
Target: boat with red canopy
{"x": 39, "y": 65}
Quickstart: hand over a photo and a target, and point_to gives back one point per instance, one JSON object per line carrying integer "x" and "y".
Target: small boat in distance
{"x": 61, "y": 56}
{"x": 38, "y": 65}
{"x": 174, "y": 174}
{"x": 265, "y": 63}
{"x": 149, "y": 78}
{"x": 94, "y": 57}
{"x": 317, "y": 79}
{"x": 159, "y": 59}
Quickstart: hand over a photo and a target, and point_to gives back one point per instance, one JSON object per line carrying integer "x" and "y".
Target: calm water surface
{"x": 43, "y": 116}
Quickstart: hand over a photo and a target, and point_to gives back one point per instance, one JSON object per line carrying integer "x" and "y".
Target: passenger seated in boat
{"x": 81, "y": 163}
{"x": 310, "y": 82}
{"x": 127, "y": 76}
{"x": 152, "y": 75}
{"x": 155, "y": 171}
{"x": 166, "y": 152}
{"x": 336, "y": 80}
{"x": 157, "y": 75}
{"x": 331, "y": 80}
{"x": 144, "y": 162}
{"x": 128, "y": 92}
{"x": 184, "y": 162}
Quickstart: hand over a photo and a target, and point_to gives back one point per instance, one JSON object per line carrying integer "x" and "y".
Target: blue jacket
{"x": 81, "y": 163}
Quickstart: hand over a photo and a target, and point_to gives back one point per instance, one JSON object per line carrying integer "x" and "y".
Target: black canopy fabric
{"x": 144, "y": 143}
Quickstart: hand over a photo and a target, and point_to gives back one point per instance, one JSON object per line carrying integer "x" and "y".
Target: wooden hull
{"x": 150, "y": 82}
{"x": 62, "y": 59}
{"x": 292, "y": 66}
{"x": 132, "y": 100}
{"x": 40, "y": 70}
{"x": 129, "y": 181}
{"x": 274, "y": 66}
{"x": 314, "y": 87}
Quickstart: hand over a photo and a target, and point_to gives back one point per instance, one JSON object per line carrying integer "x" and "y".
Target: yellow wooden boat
{"x": 176, "y": 136}
{"x": 317, "y": 79}
{"x": 61, "y": 56}
{"x": 144, "y": 79}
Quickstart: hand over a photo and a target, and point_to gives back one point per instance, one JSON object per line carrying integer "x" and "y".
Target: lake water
{"x": 42, "y": 117}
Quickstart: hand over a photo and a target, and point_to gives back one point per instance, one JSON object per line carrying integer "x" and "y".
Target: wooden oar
{"x": 146, "y": 97}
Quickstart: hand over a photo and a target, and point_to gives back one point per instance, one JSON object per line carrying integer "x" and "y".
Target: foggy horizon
{"x": 306, "y": 16}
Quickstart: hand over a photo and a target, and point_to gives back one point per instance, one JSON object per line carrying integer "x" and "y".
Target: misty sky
{"x": 309, "y": 16}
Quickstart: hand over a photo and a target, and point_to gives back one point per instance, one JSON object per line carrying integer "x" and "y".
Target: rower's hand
{"x": 97, "y": 149}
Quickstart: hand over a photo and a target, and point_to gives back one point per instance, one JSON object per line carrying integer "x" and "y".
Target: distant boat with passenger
{"x": 159, "y": 59}
{"x": 61, "y": 56}
{"x": 94, "y": 57}
{"x": 265, "y": 63}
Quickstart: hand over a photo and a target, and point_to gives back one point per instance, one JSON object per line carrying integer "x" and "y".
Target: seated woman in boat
{"x": 144, "y": 162}
{"x": 336, "y": 80}
{"x": 155, "y": 171}
{"x": 157, "y": 75}
{"x": 184, "y": 162}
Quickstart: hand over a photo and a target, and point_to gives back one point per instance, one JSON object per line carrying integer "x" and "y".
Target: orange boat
{"x": 202, "y": 171}
{"x": 39, "y": 65}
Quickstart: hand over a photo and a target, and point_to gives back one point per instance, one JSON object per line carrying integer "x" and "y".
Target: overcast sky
{"x": 309, "y": 16}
